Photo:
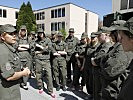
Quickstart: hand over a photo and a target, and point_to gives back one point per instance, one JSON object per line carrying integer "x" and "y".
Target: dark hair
{"x": 115, "y": 34}
{"x": 128, "y": 34}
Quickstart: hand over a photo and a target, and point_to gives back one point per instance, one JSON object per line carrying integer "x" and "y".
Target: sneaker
{"x": 58, "y": 88}
{"x": 52, "y": 95}
{"x": 64, "y": 88}
{"x": 24, "y": 87}
{"x": 41, "y": 91}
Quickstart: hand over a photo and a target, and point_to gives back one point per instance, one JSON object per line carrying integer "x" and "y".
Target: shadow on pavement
{"x": 68, "y": 96}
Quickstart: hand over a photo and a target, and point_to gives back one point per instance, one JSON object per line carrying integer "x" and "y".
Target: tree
{"x": 26, "y": 17}
{"x": 63, "y": 31}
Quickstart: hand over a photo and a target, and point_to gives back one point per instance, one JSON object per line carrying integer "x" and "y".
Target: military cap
{"x": 23, "y": 27}
{"x": 102, "y": 30}
{"x": 84, "y": 35}
{"x": 93, "y": 35}
{"x": 53, "y": 33}
{"x": 7, "y": 28}
{"x": 71, "y": 30}
{"x": 60, "y": 34}
{"x": 129, "y": 25}
{"x": 33, "y": 32}
{"x": 40, "y": 30}
{"x": 116, "y": 24}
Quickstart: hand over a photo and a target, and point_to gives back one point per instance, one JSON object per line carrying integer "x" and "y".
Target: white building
{"x": 124, "y": 7}
{"x": 67, "y": 16}
{"x": 57, "y": 17}
{"x": 8, "y": 15}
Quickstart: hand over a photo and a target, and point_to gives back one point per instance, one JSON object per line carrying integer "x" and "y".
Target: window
{"x": 52, "y": 13}
{"x": 43, "y": 27}
{"x": 4, "y": 13}
{"x": 63, "y": 25}
{"x": 59, "y": 12}
{"x": 59, "y": 25}
{"x": 43, "y": 15}
{"x": 56, "y": 28}
{"x": 0, "y": 12}
{"x": 52, "y": 27}
{"x": 55, "y": 13}
{"x": 130, "y": 4}
{"x": 124, "y": 4}
{"x": 16, "y": 15}
{"x": 37, "y": 16}
{"x": 63, "y": 12}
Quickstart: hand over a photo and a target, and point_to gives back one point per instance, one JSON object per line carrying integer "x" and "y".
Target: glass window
{"x": 16, "y": 15}
{"x": 59, "y": 12}
{"x": 130, "y": 4}
{"x": 37, "y": 16}
{"x": 59, "y": 25}
{"x": 52, "y": 27}
{"x": 0, "y": 12}
{"x": 43, "y": 15}
{"x": 52, "y": 13}
{"x": 4, "y": 13}
{"x": 43, "y": 27}
{"x": 124, "y": 4}
{"x": 56, "y": 28}
{"x": 40, "y": 16}
{"x": 63, "y": 25}
{"x": 55, "y": 13}
{"x": 63, "y": 12}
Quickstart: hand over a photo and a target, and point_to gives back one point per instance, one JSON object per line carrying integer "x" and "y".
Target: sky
{"x": 101, "y": 7}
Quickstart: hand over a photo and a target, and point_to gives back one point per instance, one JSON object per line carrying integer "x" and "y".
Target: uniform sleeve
{"x": 100, "y": 54}
{"x": 115, "y": 65}
{"x": 6, "y": 67}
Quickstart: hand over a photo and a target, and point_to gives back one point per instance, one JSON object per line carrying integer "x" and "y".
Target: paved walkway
{"x": 32, "y": 93}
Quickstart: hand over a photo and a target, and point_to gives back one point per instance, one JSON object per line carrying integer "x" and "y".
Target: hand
{"x": 26, "y": 71}
{"x": 56, "y": 54}
{"x": 93, "y": 62}
{"x": 76, "y": 55}
{"x": 81, "y": 69}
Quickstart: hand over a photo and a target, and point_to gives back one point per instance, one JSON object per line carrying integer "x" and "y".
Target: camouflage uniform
{"x": 71, "y": 42}
{"x": 43, "y": 62}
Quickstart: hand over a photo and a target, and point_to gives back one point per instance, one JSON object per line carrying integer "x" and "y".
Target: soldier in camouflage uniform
{"x": 42, "y": 58}
{"x": 59, "y": 62}
{"x": 103, "y": 48}
{"x": 10, "y": 69}
{"x": 71, "y": 42}
{"x": 79, "y": 66}
{"x": 126, "y": 39}
{"x": 23, "y": 49}
{"x": 88, "y": 65}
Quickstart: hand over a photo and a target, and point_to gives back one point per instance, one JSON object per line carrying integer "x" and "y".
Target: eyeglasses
{"x": 12, "y": 33}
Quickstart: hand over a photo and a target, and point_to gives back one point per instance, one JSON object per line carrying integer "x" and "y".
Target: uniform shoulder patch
{"x": 8, "y": 66}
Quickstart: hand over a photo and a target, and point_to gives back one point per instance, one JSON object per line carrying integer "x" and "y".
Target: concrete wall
{"x": 10, "y": 19}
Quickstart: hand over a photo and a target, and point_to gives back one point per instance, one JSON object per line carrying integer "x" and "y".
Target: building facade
{"x": 8, "y": 15}
{"x": 55, "y": 18}
{"x": 124, "y": 9}
{"x": 66, "y": 16}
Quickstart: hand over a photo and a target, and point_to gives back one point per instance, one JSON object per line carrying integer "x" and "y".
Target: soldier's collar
{"x": 10, "y": 47}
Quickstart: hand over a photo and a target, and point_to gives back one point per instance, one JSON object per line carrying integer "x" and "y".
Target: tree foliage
{"x": 63, "y": 31}
{"x": 26, "y": 17}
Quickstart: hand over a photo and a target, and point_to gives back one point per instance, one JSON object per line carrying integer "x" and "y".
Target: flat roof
{"x": 9, "y": 7}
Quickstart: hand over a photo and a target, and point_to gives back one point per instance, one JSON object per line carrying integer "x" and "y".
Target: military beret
{"x": 71, "y": 30}
{"x": 102, "y": 30}
{"x": 23, "y": 27}
{"x": 129, "y": 25}
{"x": 7, "y": 28}
{"x": 40, "y": 30}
